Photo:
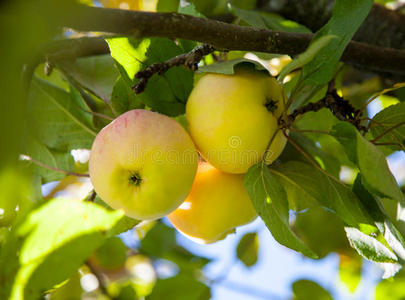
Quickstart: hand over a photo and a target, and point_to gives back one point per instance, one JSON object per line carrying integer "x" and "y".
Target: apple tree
{"x": 69, "y": 68}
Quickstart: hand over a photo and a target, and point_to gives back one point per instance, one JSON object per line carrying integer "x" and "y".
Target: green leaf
{"x": 270, "y": 201}
{"x": 124, "y": 224}
{"x": 389, "y": 118}
{"x": 301, "y": 94}
{"x": 306, "y": 289}
{"x": 369, "y": 247}
{"x": 370, "y": 160}
{"x": 130, "y": 54}
{"x": 326, "y": 191}
{"x": 228, "y": 67}
{"x": 41, "y": 153}
{"x": 167, "y": 5}
{"x": 159, "y": 240}
{"x": 15, "y": 197}
{"x": 306, "y": 57}
{"x": 324, "y": 120}
{"x": 189, "y": 9}
{"x": 127, "y": 292}
{"x": 58, "y": 237}
{"x": 267, "y": 20}
{"x": 69, "y": 290}
{"x": 57, "y": 119}
{"x": 96, "y": 74}
{"x": 186, "y": 260}
{"x": 247, "y": 249}
{"x": 321, "y": 230}
{"x": 180, "y": 287}
{"x": 123, "y": 97}
{"x": 166, "y": 93}
{"x": 347, "y": 16}
{"x": 112, "y": 254}
{"x": 381, "y": 219}
{"x": 326, "y": 161}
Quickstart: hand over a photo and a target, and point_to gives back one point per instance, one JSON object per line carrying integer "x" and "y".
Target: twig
{"x": 387, "y": 131}
{"x": 341, "y": 108}
{"x": 189, "y": 60}
{"x": 40, "y": 164}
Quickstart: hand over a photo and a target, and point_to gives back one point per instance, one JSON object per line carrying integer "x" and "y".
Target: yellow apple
{"x": 144, "y": 163}
{"x": 123, "y": 4}
{"x": 218, "y": 203}
{"x": 232, "y": 118}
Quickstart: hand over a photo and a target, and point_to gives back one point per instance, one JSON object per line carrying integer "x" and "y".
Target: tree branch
{"x": 340, "y": 108}
{"x": 382, "y": 27}
{"x": 225, "y": 36}
{"x": 189, "y": 60}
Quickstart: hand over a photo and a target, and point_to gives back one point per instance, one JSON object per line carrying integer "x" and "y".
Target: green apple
{"x": 218, "y": 203}
{"x": 232, "y": 119}
{"x": 144, "y": 163}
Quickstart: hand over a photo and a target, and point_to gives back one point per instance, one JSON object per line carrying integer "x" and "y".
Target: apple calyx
{"x": 271, "y": 105}
{"x": 135, "y": 179}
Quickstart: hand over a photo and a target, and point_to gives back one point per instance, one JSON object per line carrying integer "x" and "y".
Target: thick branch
{"x": 226, "y": 36}
{"x": 382, "y": 27}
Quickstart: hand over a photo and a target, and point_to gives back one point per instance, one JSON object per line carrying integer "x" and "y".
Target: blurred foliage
{"x": 49, "y": 245}
{"x": 392, "y": 288}
{"x": 350, "y": 267}
{"x": 111, "y": 255}
{"x": 307, "y": 289}
{"x": 247, "y": 249}
{"x": 68, "y": 290}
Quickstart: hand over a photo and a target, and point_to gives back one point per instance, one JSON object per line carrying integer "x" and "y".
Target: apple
{"x": 123, "y": 4}
{"x": 232, "y": 118}
{"x": 218, "y": 203}
{"x": 144, "y": 163}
